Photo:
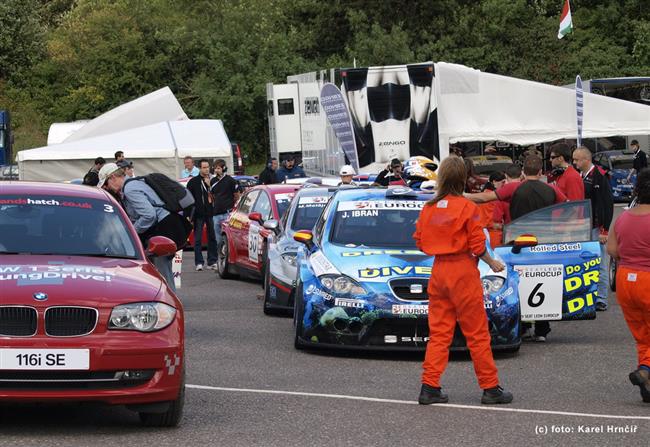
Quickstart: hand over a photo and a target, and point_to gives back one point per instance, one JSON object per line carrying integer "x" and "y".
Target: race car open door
{"x": 558, "y": 277}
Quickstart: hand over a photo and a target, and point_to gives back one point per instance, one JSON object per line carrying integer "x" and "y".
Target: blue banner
{"x": 579, "y": 108}
{"x": 337, "y": 113}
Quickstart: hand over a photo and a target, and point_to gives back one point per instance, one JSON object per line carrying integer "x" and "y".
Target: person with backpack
{"x": 92, "y": 177}
{"x": 153, "y": 213}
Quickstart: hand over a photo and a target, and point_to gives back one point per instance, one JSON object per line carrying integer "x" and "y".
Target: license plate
{"x": 32, "y": 359}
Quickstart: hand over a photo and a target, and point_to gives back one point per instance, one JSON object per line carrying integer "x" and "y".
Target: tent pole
{"x": 171, "y": 134}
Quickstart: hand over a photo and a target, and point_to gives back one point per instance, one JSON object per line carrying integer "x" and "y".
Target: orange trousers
{"x": 456, "y": 295}
{"x": 633, "y": 294}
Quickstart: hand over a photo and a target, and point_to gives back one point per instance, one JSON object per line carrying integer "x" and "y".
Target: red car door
{"x": 239, "y": 224}
{"x": 254, "y": 254}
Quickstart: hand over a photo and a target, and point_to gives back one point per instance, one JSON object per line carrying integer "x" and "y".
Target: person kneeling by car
{"x": 449, "y": 228}
{"x": 146, "y": 211}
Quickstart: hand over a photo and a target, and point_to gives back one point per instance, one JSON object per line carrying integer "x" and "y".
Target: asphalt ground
{"x": 247, "y": 385}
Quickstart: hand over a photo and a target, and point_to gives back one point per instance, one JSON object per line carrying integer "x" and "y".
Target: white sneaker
{"x": 213, "y": 266}
{"x": 199, "y": 267}
{"x": 528, "y": 334}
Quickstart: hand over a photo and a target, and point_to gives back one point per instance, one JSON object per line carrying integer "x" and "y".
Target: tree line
{"x": 64, "y": 60}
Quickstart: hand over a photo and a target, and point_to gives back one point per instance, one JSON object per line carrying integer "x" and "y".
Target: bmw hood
{"x": 66, "y": 280}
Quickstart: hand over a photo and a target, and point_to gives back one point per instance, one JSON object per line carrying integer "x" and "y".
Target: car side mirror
{"x": 257, "y": 217}
{"x": 272, "y": 225}
{"x": 305, "y": 237}
{"x": 161, "y": 246}
{"x": 525, "y": 240}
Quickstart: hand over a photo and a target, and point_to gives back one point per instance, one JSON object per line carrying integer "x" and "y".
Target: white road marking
{"x": 410, "y": 402}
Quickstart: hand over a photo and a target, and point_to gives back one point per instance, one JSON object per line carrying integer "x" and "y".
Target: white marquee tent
{"x": 158, "y": 147}
{"x": 477, "y": 106}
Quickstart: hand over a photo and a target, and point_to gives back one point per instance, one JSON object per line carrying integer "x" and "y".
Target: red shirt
{"x": 506, "y": 192}
{"x": 451, "y": 225}
{"x": 570, "y": 183}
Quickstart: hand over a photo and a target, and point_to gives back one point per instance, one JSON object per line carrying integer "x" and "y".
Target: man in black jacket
{"x": 92, "y": 177}
{"x": 598, "y": 190}
{"x": 640, "y": 159}
{"x": 199, "y": 186}
{"x": 268, "y": 175}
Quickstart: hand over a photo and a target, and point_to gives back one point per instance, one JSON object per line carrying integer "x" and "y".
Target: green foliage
{"x": 62, "y": 60}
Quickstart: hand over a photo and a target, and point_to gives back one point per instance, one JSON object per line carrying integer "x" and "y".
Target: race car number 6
{"x": 535, "y": 293}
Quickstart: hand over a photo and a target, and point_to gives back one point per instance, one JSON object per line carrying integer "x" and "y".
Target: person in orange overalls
{"x": 629, "y": 243}
{"x": 449, "y": 228}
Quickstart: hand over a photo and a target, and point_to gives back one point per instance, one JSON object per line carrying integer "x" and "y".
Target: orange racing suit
{"x": 450, "y": 229}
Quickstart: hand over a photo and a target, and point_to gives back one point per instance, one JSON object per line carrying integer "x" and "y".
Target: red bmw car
{"x": 84, "y": 316}
{"x": 243, "y": 241}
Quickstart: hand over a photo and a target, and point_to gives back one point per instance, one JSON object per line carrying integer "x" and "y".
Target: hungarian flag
{"x": 566, "y": 25}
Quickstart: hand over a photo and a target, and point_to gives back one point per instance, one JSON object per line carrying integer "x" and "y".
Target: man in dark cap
{"x": 392, "y": 175}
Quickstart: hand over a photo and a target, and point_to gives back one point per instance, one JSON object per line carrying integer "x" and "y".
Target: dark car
{"x": 618, "y": 165}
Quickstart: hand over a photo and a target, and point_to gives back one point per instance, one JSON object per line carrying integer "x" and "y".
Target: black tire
{"x": 265, "y": 260}
{"x": 298, "y": 312}
{"x": 223, "y": 267}
{"x": 612, "y": 274}
{"x": 170, "y": 418}
{"x": 266, "y": 284}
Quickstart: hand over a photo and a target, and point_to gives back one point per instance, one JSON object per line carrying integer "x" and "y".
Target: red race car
{"x": 243, "y": 241}
{"x": 84, "y": 316}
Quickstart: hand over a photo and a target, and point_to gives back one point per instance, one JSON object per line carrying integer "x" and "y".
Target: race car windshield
{"x": 622, "y": 163}
{"x": 376, "y": 223}
{"x": 487, "y": 169}
{"x": 59, "y": 225}
{"x": 307, "y": 212}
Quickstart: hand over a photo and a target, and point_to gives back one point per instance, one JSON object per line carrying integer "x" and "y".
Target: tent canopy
{"x": 157, "y": 147}
{"x": 155, "y": 107}
{"x": 476, "y": 106}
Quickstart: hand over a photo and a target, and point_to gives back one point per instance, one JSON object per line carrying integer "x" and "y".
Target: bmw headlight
{"x": 492, "y": 284}
{"x": 341, "y": 284}
{"x": 290, "y": 258}
{"x": 143, "y": 317}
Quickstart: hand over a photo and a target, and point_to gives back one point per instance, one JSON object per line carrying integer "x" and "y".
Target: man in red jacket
{"x": 567, "y": 179}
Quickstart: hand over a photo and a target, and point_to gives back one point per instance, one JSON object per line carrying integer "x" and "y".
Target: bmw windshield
{"x": 61, "y": 225}
{"x": 376, "y": 223}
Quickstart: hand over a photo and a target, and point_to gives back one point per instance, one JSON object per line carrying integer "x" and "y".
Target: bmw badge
{"x": 40, "y": 296}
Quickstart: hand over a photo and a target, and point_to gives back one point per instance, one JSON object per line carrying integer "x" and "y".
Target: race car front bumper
{"x": 125, "y": 368}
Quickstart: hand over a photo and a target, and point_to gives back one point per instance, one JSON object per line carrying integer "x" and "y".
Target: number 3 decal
{"x": 108, "y": 208}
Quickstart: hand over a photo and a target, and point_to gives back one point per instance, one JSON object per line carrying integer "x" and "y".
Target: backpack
{"x": 176, "y": 197}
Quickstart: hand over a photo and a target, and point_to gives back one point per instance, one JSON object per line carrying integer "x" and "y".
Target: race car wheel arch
{"x": 298, "y": 310}
{"x": 223, "y": 259}
{"x": 169, "y": 418}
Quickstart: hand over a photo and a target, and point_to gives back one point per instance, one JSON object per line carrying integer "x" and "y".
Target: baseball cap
{"x": 124, "y": 164}
{"x": 347, "y": 170}
{"x": 105, "y": 172}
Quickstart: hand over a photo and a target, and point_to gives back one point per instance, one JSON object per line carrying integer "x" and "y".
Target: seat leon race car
{"x": 84, "y": 316}
{"x": 280, "y": 264}
{"x": 244, "y": 238}
{"x": 362, "y": 282}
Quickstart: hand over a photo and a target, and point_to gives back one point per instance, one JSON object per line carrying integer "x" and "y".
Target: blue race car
{"x": 362, "y": 281}
{"x": 618, "y": 165}
{"x": 281, "y": 268}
